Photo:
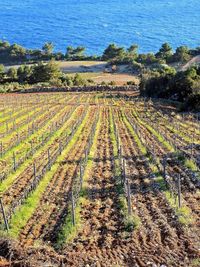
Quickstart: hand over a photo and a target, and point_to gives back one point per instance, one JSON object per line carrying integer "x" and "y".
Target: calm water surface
{"x": 95, "y": 24}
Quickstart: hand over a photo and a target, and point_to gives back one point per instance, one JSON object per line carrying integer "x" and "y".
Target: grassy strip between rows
{"x": 155, "y": 133}
{"x": 11, "y": 178}
{"x": 68, "y": 231}
{"x": 135, "y": 136}
{"x": 130, "y": 221}
{"x": 18, "y": 120}
{"x": 183, "y": 213}
{"x": 22, "y": 127}
{"x": 189, "y": 163}
{"x": 21, "y": 217}
{"x": 194, "y": 127}
{"x": 180, "y": 133}
{"x": 22, "y": 146}
{"x": 8, "y": 118}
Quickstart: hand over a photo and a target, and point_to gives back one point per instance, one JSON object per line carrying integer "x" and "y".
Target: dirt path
{"x": 194, "y": 60}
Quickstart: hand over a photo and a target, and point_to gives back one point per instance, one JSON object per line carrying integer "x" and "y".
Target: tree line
{"x": 47, "y": 74}
{"x": 113, "y": 53}
{"x": 14, "y": 53}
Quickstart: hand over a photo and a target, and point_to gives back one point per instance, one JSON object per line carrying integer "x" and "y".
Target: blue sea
{"x": 96, "y": 23}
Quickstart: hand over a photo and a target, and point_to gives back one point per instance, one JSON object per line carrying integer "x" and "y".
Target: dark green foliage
{"x": 165, "y": 52}
{"x": 180, "y": 86}
{"x": 16, "y": 54}
{"x": 113, "y": 52}
{"x": 48, "y": 48}
{"x": 133, "y": 50}
{"x": 195, "y": 52}
{"x": 12, "y": 74}
{"x": 147, "y": 59}
{"x": 182, "y": 54}
{"x": 1, "y": 72}
{"x": 192, "y": 103}
{"x": 45, "y": 72}
{"x": 78, "y": 81}
{"x": 24, "y": 73}
{"x": 76, "y": 53}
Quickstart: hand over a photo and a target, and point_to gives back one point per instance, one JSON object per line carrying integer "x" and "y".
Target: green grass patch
{"x": 195, "y": 263}
{"x": 190, "y": 164}
{"x": 184, "y": 213}
{"x": 11, "y": 178}
{"x": 155, "y": 133}
{"x": 69, "y": 231}
{"x": 135, "y": 136}
{"x": 131, "y": 222}
{"x": 22, "y": 215}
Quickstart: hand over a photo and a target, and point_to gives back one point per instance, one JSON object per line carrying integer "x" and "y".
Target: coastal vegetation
{"x": 161, "y": 74}
{"x": 180, "y": 86}
{"x": 14, "y": 53}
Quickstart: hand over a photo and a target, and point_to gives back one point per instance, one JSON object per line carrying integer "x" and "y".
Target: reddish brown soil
{"x": 103, "y": 239}
{"x": 54, "y": 202}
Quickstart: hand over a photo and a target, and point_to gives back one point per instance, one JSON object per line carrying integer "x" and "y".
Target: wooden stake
{"x": 129, "y": 198}
{"x": 4, "y": 215}
{"x": 31, "y": 147}
{"x": 49, "y": 159}
{"x": 179, "y": 191}
{"x": 81, "y": 176}
{"x": 1, "y": 149}
{"x": 86, "y": 156}
{"x": 14, "y": 162}
{"x": 73, "y": 209}
{"x": 124, "y": 170}
{"x": 34, "y": 170}
{"x": 60, "y": 147}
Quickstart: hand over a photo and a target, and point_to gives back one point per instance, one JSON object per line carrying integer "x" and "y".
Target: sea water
{"x": 96, "y": 23}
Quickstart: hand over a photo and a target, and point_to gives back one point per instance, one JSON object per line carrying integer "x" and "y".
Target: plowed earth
{"x": 102, "y": 238}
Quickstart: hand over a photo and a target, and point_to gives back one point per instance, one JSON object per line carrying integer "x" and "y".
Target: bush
{"x": 180, "y": 86}
{"x": 192, "y": 103}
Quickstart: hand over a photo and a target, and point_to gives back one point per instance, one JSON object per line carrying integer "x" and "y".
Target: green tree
{"x": 182, "y": 54}
{"x": 148, "y": 58}
{"x": 75, "y": 53}
{"x": 12, "y": 73}
{"x": 112, "y": 52}
{"x": 45, "y": 72}
{"x": 78, "y": 80}
{"x": 2, "y": 71}
{"x": 165, "y": 52}
{"x": 133, "y": 50}
{"x": 48, "y": 48}
{"x": 4, "y": 45}
{"x": 24, "y": 73}
{"x": 17, "y": 52}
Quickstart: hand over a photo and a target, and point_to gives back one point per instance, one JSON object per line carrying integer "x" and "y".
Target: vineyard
{"x": 98, "y": 179}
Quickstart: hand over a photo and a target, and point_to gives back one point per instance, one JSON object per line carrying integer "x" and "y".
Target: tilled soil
{"x": 103, "y": 238}
{"x": 54, "y": 201}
